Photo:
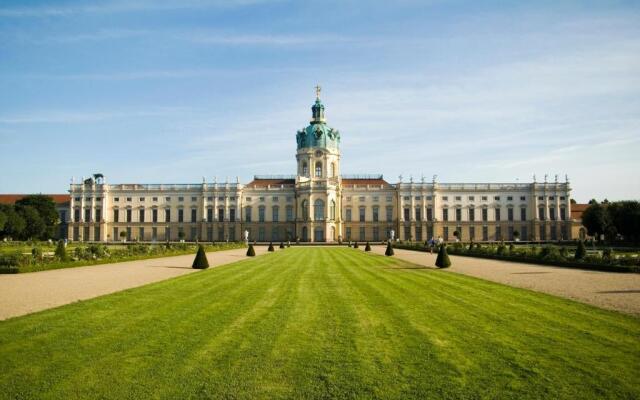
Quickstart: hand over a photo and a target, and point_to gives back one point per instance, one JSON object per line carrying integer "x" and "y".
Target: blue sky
{"x": 171, "y": 91}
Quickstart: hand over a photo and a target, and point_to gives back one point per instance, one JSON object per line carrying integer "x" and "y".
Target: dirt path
{"x": 614, "y": 291}
{"x": 26, "y": 293}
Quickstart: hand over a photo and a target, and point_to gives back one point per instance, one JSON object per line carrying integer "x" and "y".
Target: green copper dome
{"x": 318, "y": 133}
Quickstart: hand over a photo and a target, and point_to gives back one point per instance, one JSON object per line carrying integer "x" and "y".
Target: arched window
{"x": 318, "y": 169}
{"x": 305, "y": 210}
{"x": 318, "y": 210}
{"x": 305, "y": 169}
{"x": 332, "y": 210}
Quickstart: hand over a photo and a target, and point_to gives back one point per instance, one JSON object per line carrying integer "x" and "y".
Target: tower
{"x": 318, "y": 178}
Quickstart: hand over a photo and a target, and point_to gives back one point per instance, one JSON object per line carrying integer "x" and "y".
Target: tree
{"x": 14, "y": 224}
{"x": 625, "y": 217}
{"x": 200, "y": 262}
{"x": 61, "y": 251}
{"x": 270, "y": 247}
{"x": 181, "y": 235}
{"x": 250, "y": 251}
{"x": 35, "y": 227}
{"x": 389, "y": 250}
{"x": 123, "y": 235}
{"x": 367, "y": 247}
{"x": 442, "y": 261}
{"x": 355, "y": 245}
{"x": 581, "y": 251}
{"x": 46, "y": 209}
{"x": 3, "y": 220}
{"x": 456, "y": 234}
{"x": 596, "y": 219}
{"x": 282, "y": 245}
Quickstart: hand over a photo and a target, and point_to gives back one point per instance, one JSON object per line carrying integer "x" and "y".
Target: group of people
{"x": 433, "y": 242}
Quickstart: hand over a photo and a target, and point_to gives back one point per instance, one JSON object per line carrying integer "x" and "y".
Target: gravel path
{"x": 610, "y": 290}
{"x": 22, "y": 294}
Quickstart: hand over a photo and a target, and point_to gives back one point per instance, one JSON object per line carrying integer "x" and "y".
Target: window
{"x": 458, "y": 198}
{"x": 274, "y": 198}
{"x": 498, "y": 214}
{"x": 154, "y": 199}
{"x": 472, "y": 233}
{"x": 248, "y": 199}
{"x": 484, "y": 198}
{"x": 232, "y": 218}
{"x": 498, "y": 233}
{"x": 275, "y": 213}
{"x": 333, "y": 169}
{"x": 348, "y": 233}
{"x": 458, "y": 214}
{"x": 305, "y": 210}
{"x": 193, "y": 215}
{"x": 348, "y": 198}
{"x": 551, "y": 198}
{"x": 523, "y": 198}
{"x": 445, "y": 233}
{"x": 129, "y": 199}
{"x": 289, "y": 213}
{"x": 418, "y": 214}
{"x": 210, "y": 198}
{"x": 361, "y": 198}
{"x": 541, "y": 213}
{"x": 445, "y": 214}
{"x": 141, "y": 213}
{"x": 509, "y": 198}
{"x": 496, "y": 198}
{"x": 129, "y": 215}
{"x": 471, "y": 198}
{"x": 332, "y": 210}
{"x": 485, "y": 233}
{"x": 116, "y": 199}
{"x": 247, "y": 214}
{"x": 472, "y": 214}
{"x": 552, "y": 213}
{"x": 406, "y": 215}
{"x": 180, "y": 198}
{"x": 376, "y": 198}
{"x": 116, "y": 215}
{"x": 361, "y": 214}
{"x": 167, "y": 215}
{"x": 305, "y": 169}
{"x": 389, "y": 212}
{"x": 194, "y": 199}
{"x": 540, "y": 198}
{"x": 375, "y": 214}
{"x": 406, "y": 198}
{"x": 77, "y": 198}
{"x": 167, "y": 199}
{"x": 445, "y": 198}
{"x": 98, "y": 214}
{"x": 523, "y": 214}
{"x": 418, "y": 198}
{"x": 262, "y": 199}
{"x": 318, "y": 169}
{"x": 154, "y": 215}
{"x": 210, "y": 215}
{"x": 232, "y": 198}
{"x": 318, "y": 210}
{"x": 289, "y": 199}
{"x": 376, "y": 233}
{"x": 220, "y": 216}
{"x": 347, "y": 215}
{"x": 562, "y": 198}
{"x": 563, "y": 214}
{"x": 429, "y": 198}
{"x": 221, "y": 198}
{"x": 485, "y": 214}
{"x": 261, "y": 212}
{"x": 510, "y": 214}
{"x": 180, "y": 215}
{"x": 141, "y": 198}
{"x": 389, "y": 198}
{"x": 429, "y": 214}
{"x": 362, "y": 235}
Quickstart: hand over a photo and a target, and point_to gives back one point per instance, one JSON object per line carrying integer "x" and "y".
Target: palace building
{"x": 320, "y": 204}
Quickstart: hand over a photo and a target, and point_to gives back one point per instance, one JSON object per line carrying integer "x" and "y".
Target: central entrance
{"x": 318, "y": 235}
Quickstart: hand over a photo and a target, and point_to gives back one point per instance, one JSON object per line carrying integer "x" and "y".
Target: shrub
{"x": 564, "y": 252}
{"x": 250, "y": 251}
{"x": 442, "y": 261}
{"x": 355, "y": 245}
{"x": 551, "y": 253}
{"x": 36, "y": 253}
{"x": 61, "y": 251}
{"x": 581, "y": 251}
{"x": 282, "y": 245}
{"x": 511, "y": 248}
{"x": 270, "y": 247}
{"x": 606, "y": 254}
{"x": 367, "y": 247}
{"x": 200, "y": 262}
{"x": 502, "y": 249}
{"x": 389, "y": 251}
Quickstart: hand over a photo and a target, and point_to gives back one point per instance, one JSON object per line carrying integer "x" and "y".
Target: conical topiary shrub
{"x": 581, "y": 251}
{"x": 355, "y": 245}
{"x": 250, "y": 251}
{"x": 282, "y": 245}
{"x": 270, "y": 246}
{"x": 61, "y": 251}
{"x": 201, "y": 261}
{"x": 442, "y": 261}
{"x": 389, "y": 251}
{"x": 367, "y": 247}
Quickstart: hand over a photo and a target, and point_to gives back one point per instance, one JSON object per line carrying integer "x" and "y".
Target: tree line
{"x": 617, "y": 221}
{"x": 33, "y": 217}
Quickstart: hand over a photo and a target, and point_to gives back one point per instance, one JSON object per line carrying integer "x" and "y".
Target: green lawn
{"x": 322, "y": 323}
